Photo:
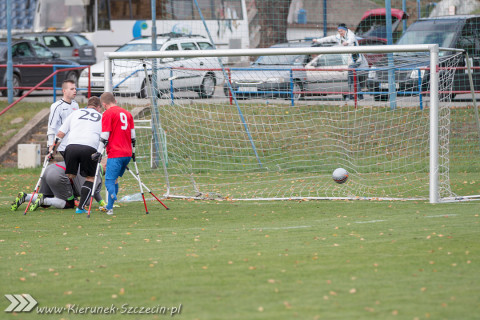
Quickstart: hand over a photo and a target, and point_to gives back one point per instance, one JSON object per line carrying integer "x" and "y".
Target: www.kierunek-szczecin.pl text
{"x": 113, "y": 309}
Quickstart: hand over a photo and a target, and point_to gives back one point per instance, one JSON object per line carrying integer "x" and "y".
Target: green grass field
{"x": 243, "y": 260}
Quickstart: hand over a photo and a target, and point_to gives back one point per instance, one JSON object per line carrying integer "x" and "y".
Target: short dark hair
{"x": 68, "y": 81}
{"x": 108, "y": 98}
{"x": 93, "y": 102}
{"x": 342, "y": 26}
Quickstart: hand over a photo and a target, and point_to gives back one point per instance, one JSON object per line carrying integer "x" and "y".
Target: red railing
{"x": 38, "y": 86}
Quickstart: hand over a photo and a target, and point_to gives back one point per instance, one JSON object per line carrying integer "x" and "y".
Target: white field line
{"x": 442, "y": 216}
{"x": 371, "y": 221}
{"x": 280, "y": 228}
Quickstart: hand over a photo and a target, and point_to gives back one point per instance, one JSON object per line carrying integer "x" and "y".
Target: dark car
{"x": 30, "y": 52}
{"x": 461, "y": 32}
{"x": 271, "y": 76}
{"x": 70, "y": 45}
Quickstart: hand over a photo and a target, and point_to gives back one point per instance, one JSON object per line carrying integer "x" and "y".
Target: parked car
{"x": 69, "y": 45}
{"x": 30, "y": 52}
{"x": 271, "y": 76}
{"x": 325, "y": 75}
{"x": 372, "y": 29}
{"x": 462, "y": 32}
{"x": 180, "y": 74}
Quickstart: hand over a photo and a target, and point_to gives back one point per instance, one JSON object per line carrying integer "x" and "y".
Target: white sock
{"x": 29, "y": 196}
{"x": 56, "y": 202}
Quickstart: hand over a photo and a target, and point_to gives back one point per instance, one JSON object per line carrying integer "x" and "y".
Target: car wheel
{"x": 143, "y": 90}
{"x": 226, "y": 92}
{"x": 207, "y": 89}
{"x": 297, "y": 86}
{"x": 72, "y": 75}
{"x": 15, "y": 83}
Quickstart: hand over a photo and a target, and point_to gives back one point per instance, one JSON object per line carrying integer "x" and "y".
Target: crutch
{"x": 37, "y": 187}
{"x": 149, "y": 191}
{"x": 94, "y": 184}
{"x": 138, "y": 175}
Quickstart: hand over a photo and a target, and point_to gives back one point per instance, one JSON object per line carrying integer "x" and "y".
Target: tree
{"x": 272, "y": 17}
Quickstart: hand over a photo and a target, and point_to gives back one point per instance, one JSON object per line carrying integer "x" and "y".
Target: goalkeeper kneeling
{"x": 57, "y": 190}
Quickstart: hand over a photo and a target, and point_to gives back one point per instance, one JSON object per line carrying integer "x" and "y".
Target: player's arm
{"x": 97, "y": 156}
{"x": 62, "y": 132}
{"x": 58, "y": 139}
{"x": 325, "y": 39}
{"x": 52, "y": 122}
{"x": 132, "y": 132}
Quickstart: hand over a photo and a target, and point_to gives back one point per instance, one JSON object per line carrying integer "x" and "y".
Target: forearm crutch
{"x": 149, "y": 191}
{"x": 139, "y": 181}
{"x": 94, "y": 185}
{"x": 37, "y": 186}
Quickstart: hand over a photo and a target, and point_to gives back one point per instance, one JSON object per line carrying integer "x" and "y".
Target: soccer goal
{"x": 278, "y": 128}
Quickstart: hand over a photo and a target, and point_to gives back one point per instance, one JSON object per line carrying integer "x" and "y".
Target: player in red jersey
{"x": 118, "y": 137}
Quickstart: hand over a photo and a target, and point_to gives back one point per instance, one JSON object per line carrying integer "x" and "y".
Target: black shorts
{"x": 78, "y": 154}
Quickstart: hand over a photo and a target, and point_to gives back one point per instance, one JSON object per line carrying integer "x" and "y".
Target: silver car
{"x": 69, "y": 45}
{"x": 328, "y": 74}
{"x": 197, "y": 74}
{"x": 280, "y": 76}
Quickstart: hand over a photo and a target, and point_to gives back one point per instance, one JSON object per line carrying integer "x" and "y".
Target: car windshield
{"x": 374, "y": 26}
{"x": 441, "y": 37}
{"x": 82, "y": 40}
{"x": 282, "y": 60}
{"x": 135, "y": 47}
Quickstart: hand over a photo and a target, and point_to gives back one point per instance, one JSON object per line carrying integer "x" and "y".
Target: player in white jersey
{"x": 84, "y": 127}
{"x": 59, "y": 111}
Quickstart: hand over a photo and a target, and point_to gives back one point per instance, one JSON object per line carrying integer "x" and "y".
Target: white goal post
{"x": 210, "y": 146}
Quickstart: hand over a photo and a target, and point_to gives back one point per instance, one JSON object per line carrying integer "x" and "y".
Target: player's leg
{"x": 45, "y": 190}
{"x": 72, "y": 162}
{"x": 351, "y": 80}
{"x": 54, "y": 202}
{"x": 49, "y": 201}
{"x": 85, "y": 193}
{"x": 115, "y": 168}
{"x": 112, "y": 196}
{"x": 21, "y": 198}
{"x": 88, "y": 168}
{"x": 60, "y": 192}
{"x": 38, "y": 202}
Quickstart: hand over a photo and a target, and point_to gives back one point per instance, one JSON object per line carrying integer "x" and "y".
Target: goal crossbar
{"x": 275, "y": 51}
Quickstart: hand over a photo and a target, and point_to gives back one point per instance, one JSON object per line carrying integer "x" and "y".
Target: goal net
{"x": 278, "y": 128}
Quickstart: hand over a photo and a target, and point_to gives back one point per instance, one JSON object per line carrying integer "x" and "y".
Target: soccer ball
{"x": 340, "y": 175}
